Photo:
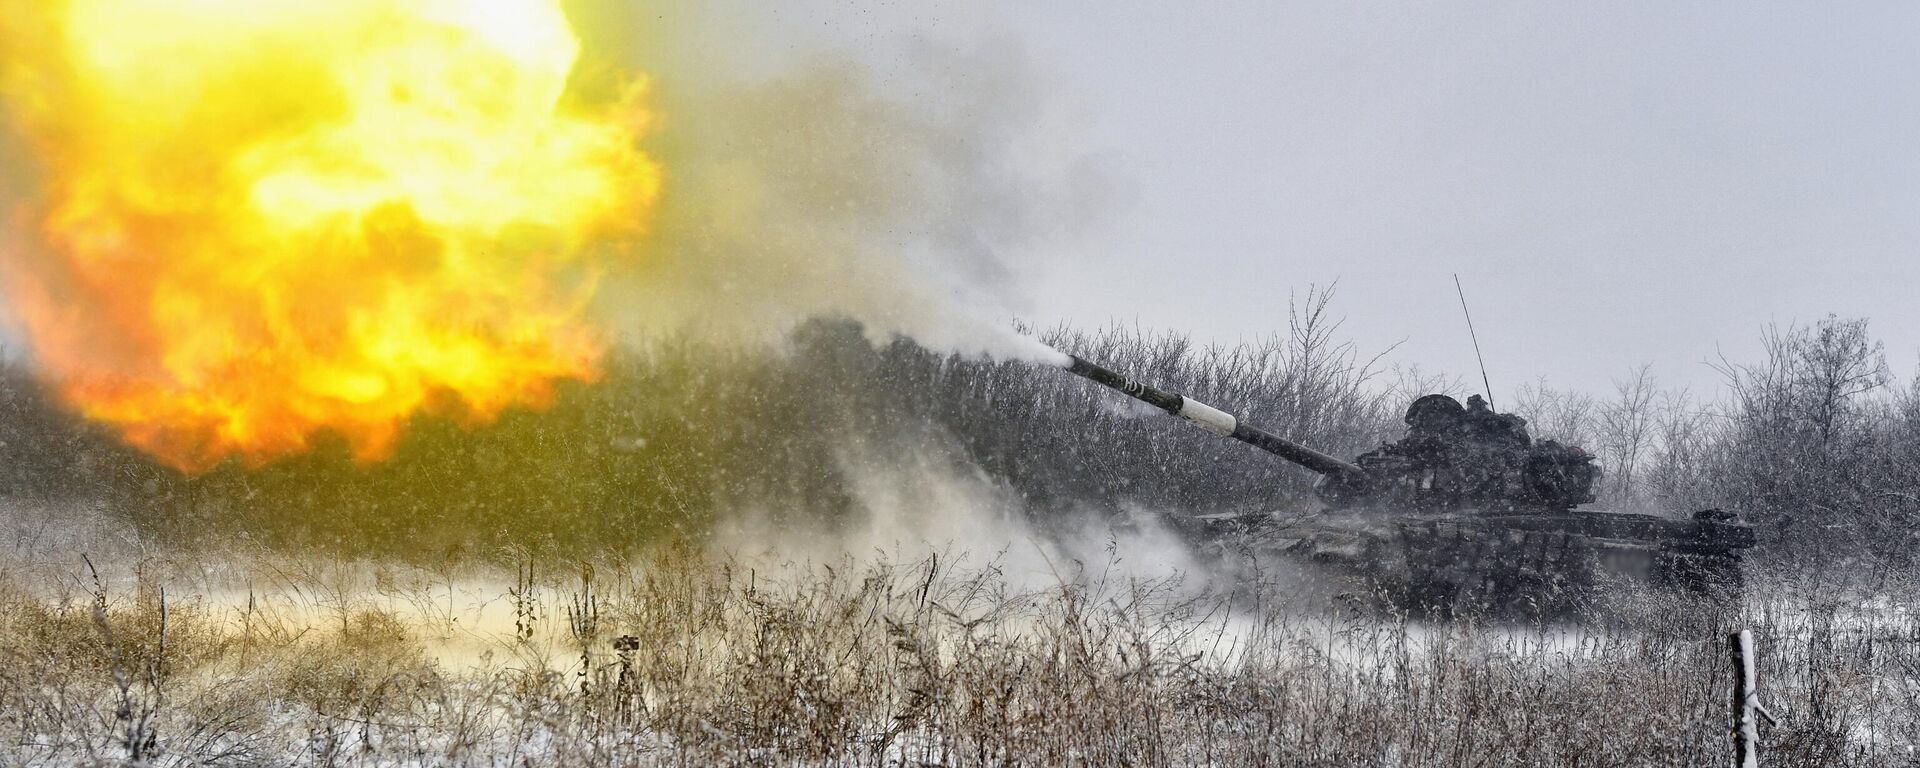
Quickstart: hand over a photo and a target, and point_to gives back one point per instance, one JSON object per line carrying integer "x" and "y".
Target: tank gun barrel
{"x": 1213, "y": 419}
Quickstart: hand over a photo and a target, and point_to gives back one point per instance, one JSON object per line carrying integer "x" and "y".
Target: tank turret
{"x": 1456, "y": 456}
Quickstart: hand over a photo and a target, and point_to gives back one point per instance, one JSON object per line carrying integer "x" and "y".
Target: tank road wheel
{"x": 1717, "y": 578}
{"x": 1449, "y": 579}
{"x": 1545, "y": 574}
{"x": 1420, "y": 587}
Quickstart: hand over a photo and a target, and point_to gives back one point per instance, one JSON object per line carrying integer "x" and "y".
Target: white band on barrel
{"x": 1208, "y": 417}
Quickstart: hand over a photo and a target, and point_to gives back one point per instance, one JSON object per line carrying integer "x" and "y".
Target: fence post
{"x": 1746, "y": 729}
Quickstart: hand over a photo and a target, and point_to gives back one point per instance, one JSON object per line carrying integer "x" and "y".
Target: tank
{"x": 1465, "y": 512}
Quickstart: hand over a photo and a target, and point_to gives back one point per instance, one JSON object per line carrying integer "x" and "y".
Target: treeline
{"x": 1815, "y": 443}
{"x": 679, "y": 434}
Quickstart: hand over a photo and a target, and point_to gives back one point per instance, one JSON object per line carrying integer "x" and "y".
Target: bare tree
{"x": 1626, "y": 434}
{"x": 1556, "y": 414}
{"x": 1804, "y": 424}
{"x": 1678, "y": 477}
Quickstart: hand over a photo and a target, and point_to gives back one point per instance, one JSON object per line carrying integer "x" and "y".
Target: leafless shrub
{"x": 699, "y": 659}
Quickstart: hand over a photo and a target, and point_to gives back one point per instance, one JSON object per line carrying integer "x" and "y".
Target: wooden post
{"x": 1746, "y": 729}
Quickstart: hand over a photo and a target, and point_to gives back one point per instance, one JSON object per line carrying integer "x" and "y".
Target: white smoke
{"x": 919, "y": 502}
{"x": 801, "y": 183}
{"x": 917, "y": 199}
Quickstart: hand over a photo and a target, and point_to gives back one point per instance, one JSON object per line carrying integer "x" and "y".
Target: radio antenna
{"x": 1476, "y": 339}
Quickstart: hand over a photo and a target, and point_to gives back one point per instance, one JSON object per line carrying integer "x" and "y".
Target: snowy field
{"x": 690, "y": 655}
{"x": 875, "y": 555}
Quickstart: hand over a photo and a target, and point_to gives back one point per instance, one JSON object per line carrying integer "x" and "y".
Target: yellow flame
{"x": 259, "y": 220}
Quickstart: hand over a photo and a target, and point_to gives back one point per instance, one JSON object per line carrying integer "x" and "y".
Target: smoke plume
{"x": 805, "y": 184}
{"x": 311, "y": 222}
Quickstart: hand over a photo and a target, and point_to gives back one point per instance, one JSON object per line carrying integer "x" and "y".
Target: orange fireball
{"x": 259, "y": 220}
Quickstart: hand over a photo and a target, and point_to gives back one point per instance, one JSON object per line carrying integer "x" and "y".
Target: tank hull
{"x": 1528, "y": 561}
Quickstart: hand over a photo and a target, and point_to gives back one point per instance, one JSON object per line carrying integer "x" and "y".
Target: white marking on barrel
{"x": 1208, "y": 417}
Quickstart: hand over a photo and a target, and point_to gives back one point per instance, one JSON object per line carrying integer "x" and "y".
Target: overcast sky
{"x": 1616, "y": 183}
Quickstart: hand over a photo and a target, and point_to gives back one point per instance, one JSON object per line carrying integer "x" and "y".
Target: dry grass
{"x": 684, "y": 659}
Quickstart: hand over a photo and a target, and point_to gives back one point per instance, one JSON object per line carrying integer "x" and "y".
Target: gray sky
{"x": 1617, "y": 183}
